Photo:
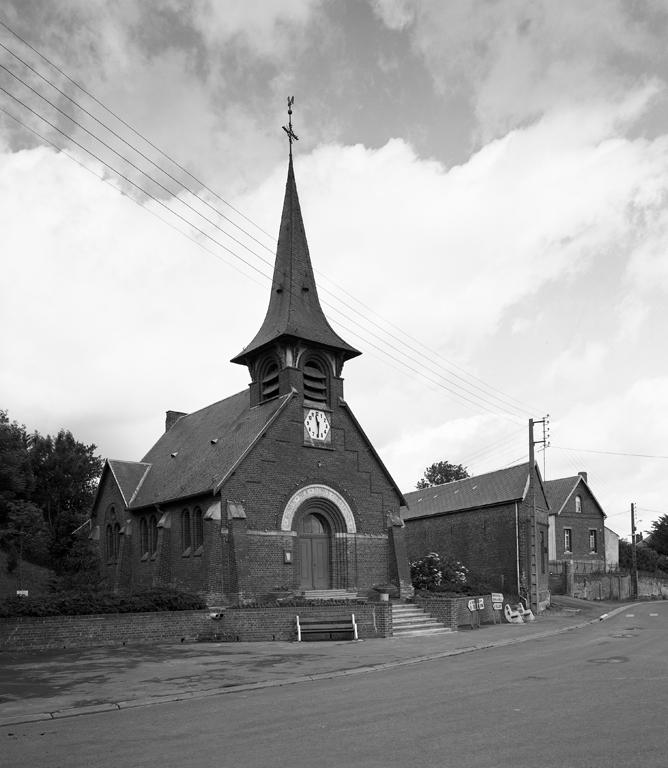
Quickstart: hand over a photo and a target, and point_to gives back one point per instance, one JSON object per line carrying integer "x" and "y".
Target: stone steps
{"x": 411, "y": 621}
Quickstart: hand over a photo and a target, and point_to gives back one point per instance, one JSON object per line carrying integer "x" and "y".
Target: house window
{"x": 153, "y": 535}
{"x": 143, "y": 536}
{"x": 578, "y": 503}
{"x": 198, "y": 529}
{"x": 568, "y": 540}
{"x": 315, "y": 383}
{"x": 186, "y": 540}
{"x": 593, "y": 544}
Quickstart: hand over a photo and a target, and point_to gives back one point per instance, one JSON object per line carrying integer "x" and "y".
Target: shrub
{"x": 433, "y": 571}
{"x": 85, "y": 602}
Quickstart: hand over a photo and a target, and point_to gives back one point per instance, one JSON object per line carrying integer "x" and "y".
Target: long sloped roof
{"x": 499, "y": 487}
{"x": 197, "y": 453}
{"x": 294, "y": 308}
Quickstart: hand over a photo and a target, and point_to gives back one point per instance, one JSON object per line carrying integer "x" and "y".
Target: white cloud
{"x": 519, "y": 60}
{"x": 395, "y": 14}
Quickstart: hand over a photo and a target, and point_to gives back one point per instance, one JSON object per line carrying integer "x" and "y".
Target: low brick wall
{"x": 51, "y": 632}
{"x": 453, "y": 611}
{"x": 374, "y": 620}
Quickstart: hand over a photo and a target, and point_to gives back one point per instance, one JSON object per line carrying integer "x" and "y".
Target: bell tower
{"x": 295, "y": 348}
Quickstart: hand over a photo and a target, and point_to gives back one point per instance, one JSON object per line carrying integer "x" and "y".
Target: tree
{"x": 442, "y": 472}
{"x": 658, "y": 538}
{"x": 16, "y": 476}
{"x": 66, "y": 473}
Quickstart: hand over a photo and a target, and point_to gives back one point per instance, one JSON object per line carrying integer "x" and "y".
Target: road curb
{"x": 244, "y": 687}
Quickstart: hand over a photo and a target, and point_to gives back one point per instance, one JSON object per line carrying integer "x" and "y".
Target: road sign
{"x": 472, "y": 606}
{"x": 497, "y": 597}
{"x": 481, "y": 603}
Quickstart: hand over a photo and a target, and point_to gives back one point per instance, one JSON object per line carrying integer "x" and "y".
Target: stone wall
{"x": 613, "y": 586}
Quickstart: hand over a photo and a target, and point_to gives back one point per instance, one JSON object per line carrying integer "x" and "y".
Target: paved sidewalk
{"x": 47, "y": 685}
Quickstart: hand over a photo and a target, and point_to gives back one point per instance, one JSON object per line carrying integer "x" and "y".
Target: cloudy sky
{"x": 484, "y": 188}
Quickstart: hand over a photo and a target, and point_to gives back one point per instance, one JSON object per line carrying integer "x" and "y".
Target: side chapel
{"x": 276, "y": 487}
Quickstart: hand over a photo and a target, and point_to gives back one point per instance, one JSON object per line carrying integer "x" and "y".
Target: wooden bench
{"x": 326, "y": 629}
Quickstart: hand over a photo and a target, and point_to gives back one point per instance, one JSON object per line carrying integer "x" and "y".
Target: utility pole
{"x": 533, "y": 545}
{"x": 634, "y": 554}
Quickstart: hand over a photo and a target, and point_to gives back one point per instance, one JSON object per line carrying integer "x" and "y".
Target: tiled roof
{"x": 294, "y": 308}
{"x": 200, "y": 449}
{"x": 559, "y": 490}
{"x": 500, "y": 487}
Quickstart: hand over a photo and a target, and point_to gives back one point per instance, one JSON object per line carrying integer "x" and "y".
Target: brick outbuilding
{"x": 496, "y": 524}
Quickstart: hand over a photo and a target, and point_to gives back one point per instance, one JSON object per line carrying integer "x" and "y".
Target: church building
{"x": 274, "y": 488}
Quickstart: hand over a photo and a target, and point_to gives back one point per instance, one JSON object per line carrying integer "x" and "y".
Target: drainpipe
{"x": 517, "y": 547}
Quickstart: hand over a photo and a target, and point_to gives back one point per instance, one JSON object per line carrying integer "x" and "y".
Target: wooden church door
{"x": 314, "y": 552}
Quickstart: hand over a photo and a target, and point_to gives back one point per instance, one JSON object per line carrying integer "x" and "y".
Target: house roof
{"x": 198, "y": 453}
{"x": 499, "y": 487}
{"x": 294, "y": 308}
{"x": 561, "y": 489}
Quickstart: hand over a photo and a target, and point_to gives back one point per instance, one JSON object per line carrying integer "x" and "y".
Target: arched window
{"x": 268, "y": 380}
{"x": 153, "y": 535}
{"x": 117, "y": 540}
{"x": 143, "y": 536}
{"x": 186, "y": 540}
{"x": 109, "y": 542}
{"x": 578, "y": 503}
{"x": 315, "y": 383}
{"x": 198, "y": 529}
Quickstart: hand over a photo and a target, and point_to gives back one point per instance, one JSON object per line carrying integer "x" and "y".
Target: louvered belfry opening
{"x": 269, "y": 381}
{"x": 315, "y": 384}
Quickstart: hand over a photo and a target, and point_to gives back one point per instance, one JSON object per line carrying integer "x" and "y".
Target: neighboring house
{"x": 276, "y": 487}
{"x": 496, "y": 524}
{"x": 577, "y": 523}
{"x": 611, "y": 550}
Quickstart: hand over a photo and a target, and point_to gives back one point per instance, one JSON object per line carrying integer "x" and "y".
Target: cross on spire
{"x": 292, "y": 136}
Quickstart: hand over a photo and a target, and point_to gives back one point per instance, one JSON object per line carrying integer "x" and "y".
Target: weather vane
{"x": 292, "y": 136}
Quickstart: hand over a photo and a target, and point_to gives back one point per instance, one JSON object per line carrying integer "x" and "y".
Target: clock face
{"x": 316, "y": 424}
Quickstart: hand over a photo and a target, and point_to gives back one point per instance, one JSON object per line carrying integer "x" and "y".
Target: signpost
{"x": 473, "y": 605}
{"x": 497, "y": 605}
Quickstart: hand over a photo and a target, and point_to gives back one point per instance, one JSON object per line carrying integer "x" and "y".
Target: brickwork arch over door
{"x": 321, "y": 552}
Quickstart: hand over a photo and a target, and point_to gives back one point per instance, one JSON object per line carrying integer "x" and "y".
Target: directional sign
{"x": 497, "y": 597}
{"x": 472, "y": 606}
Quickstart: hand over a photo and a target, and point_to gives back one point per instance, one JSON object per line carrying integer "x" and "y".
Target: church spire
{"x": 294, "y": 310}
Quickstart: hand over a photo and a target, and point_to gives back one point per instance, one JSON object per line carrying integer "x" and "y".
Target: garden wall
{"x": 236, "y": 624}
{"x": 613, "y": 586}
{"x": 454, "y": 612}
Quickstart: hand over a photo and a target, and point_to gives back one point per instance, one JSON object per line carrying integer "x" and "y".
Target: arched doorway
{"x": 315, "y": 551}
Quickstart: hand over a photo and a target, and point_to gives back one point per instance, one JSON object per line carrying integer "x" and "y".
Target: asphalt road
{"x": 597, "y": 696}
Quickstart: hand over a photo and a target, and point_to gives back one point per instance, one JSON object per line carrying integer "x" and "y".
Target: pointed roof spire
{"x": 294, "y": 308}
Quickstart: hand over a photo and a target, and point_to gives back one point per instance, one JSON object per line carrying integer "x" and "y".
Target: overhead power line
{"x": 611, "y": 453}
{"x": 481, "y": 397}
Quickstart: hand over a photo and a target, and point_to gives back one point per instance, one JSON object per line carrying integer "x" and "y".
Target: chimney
{"x": 171, "y": 419}
{"x": 583, "y": 475}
